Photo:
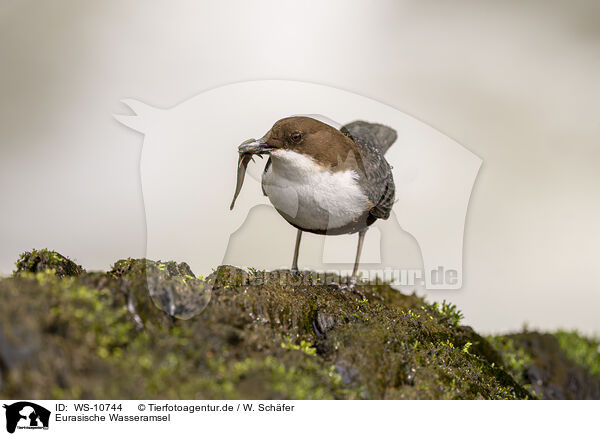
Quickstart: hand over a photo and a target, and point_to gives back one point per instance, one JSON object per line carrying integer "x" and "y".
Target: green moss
{"x": 304, "y": 346}
{"x": 449, "y": 311}
{"x": 516, "y": 360}
{"x": 559, "y": 366}
{"x": 582, "y": 350}
{"x": 44, "y": 260}
{"x": 149, "y": 329}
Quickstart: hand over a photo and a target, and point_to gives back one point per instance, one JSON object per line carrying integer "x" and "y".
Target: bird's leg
{"x": 361, "y": 239}
{"x": 351, "y": 286}
{"x": 296, "y": 250}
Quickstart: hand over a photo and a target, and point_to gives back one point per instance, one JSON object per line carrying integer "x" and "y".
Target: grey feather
{"x": 377, "y": 180}
{"x": 377, "y": 135}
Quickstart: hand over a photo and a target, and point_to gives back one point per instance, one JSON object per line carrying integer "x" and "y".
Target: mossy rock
{"x": 560, "y": 366}
{"x": 36, "y": 261}
{"x": 172, "y": 286}
{"x": 256, "y": 334}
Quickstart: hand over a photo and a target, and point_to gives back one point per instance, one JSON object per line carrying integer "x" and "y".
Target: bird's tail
{"x": 375, "y": 134}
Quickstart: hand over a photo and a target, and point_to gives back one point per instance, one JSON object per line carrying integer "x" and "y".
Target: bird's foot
{"x": 350, "y": 287}
{"x": 295, "y": 278}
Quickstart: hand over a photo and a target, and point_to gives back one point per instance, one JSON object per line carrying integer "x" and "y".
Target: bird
{"x": 325, "y": 180}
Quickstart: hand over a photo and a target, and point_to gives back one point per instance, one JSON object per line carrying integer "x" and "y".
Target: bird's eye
{"x": 296, "y": 136}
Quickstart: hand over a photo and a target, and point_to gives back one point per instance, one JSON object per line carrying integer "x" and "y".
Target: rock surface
{"x": 153, "y": 330}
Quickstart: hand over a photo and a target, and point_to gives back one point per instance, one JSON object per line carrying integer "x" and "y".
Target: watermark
{"x": 188, "y": 173}
{"x": 401, "y": 278}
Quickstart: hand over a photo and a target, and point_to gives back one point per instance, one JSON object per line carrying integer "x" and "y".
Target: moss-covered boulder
{"x": 559, "y": 366}
{"x": 265, "y": 335}
{"x": 172, "y": 286}
{"x": 45, "y": 260}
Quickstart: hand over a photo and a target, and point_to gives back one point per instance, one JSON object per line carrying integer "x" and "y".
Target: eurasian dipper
{"x": 324, "y": 180}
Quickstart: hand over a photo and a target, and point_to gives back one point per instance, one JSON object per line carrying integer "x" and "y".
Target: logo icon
{"x": 26, "y": 415}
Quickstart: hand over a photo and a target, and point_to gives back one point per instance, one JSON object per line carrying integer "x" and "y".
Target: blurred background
{"x": 515, "y": 83}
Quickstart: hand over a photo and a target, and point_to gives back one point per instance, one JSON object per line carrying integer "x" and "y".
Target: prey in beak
{"x": 254, "y": 146}
{"x": 246, "y": 151}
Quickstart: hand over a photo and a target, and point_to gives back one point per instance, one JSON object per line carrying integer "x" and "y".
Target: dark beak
{"x": 254, "y": 146}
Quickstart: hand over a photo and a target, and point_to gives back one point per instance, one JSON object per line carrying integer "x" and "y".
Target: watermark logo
{"x": 25, "y": 415}
{"x": 188, "y": 174}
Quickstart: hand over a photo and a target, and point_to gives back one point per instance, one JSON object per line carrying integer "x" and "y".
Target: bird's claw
{"x": 349, "y": 288}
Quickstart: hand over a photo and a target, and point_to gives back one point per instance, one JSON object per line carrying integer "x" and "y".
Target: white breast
{"x": 311, "y": 196}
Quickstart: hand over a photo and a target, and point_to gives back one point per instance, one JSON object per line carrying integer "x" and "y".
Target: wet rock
{"x": 323, "y": 322}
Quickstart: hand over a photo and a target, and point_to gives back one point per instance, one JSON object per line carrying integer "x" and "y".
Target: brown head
{"x": 328, "y": 146}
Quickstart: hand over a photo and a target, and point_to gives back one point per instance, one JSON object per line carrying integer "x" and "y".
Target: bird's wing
{"x": 384, "y": 198}
{"x": 379, "y": 186}
{"x": 377, "y": 180}
{"x": 377, "y": 135}
{"x": 262, "y": 182}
